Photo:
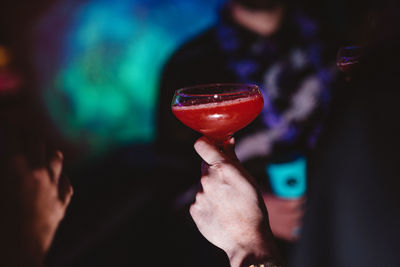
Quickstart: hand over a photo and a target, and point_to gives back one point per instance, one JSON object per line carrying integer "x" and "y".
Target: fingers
{"x": 208, "y": 151}
{"x": 21, "y": 165}
{"x": 204, "y": 168}
{"x": 28, "y": 176}
{"x": 195, "y": 211}
{"x": 48, "y": 176}
{"x": 65, "y": 189}
{"x": 200, "y": 207}
{"x": 55, "y": 166}
{"x": 212, "y": 154}
{"x": 221, "y": 162}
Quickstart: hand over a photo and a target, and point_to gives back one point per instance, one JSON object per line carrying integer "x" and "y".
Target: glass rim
{"x": 210, "y": 85}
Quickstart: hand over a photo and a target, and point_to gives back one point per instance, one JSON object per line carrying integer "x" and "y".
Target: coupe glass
{"x": 217, "y": 110}
{"x": 348, "y": 57}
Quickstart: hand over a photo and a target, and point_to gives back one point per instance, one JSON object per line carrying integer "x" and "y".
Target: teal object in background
{"x": 288, "y": 179}
{"x": 99, "y": 64}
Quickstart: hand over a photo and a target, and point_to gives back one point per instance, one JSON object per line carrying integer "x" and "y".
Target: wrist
{"x": 253, "y": 260}
{"x": 260, "y": 255}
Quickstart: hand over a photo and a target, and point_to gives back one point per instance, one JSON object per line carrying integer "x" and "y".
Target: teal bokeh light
{"x": 288, "y": 179}
{"x": 99, "y": 63}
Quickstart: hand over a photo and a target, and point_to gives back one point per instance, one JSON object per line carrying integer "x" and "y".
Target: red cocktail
{"x": 217, "y": 110}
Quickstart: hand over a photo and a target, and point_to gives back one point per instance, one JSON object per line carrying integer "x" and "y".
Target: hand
{"x": 284, "y": 216}
{"x": 229, "y": 211}
{"x": 43, "y": 195}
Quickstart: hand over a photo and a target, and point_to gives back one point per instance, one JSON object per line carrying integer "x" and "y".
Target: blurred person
{"x": 34, "y": 201}
{"x": 34, "y": 193}
{"x": 274, "y": 44}
{"x": 353, "y": 207}
{"x": 119, "y": 214}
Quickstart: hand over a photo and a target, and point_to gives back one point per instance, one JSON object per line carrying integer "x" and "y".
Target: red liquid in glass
{"x": 220, "y": 120}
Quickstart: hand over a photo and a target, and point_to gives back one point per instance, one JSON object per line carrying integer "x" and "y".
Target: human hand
{"x": 42, "y": 196}
{"x": 229, "y": 211}
{"x": 285, "y": 216}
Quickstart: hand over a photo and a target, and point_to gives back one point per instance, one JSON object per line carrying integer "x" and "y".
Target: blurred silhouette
{"x": 119, "y": 214}
{"x": 353, "y": 215}
{"x": 34, "y": 193}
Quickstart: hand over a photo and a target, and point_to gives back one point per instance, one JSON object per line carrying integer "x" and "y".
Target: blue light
{"x": 100, "y": 63}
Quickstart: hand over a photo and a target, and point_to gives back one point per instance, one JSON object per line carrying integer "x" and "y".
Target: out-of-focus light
{"x": 288, "y": 179}
{"x": 4, "y": 57}
{"x": 100, "y": 63}
{"x": 9, "y": 80}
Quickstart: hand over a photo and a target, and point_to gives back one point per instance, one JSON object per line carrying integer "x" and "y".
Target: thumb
{"x": 65, "y": 189}
{"x": 208, "y": 151}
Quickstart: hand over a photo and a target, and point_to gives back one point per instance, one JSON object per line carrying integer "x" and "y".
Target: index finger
{"x": 65, "y": 189}
{"x": 55, "y": 166}
{"x": 208, "y": 151}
